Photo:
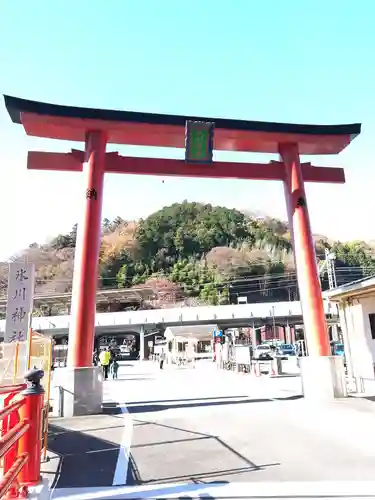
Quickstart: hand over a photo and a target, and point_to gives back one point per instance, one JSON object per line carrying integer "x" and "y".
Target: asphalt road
{"x": 204, "y": 426}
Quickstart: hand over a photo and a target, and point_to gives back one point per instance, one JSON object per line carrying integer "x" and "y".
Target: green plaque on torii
{"x": 199, "y": 142}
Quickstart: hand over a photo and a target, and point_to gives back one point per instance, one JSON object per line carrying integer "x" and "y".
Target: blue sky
{"x": 271, "y": 60}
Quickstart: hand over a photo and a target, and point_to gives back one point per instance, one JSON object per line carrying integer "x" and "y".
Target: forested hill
{"x": 195, "y": 253}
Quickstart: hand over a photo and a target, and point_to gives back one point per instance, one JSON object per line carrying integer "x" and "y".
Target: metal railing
{"x": 20, "y": 442}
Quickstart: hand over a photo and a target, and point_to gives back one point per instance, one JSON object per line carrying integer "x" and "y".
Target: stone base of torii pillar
{"x": 323, "y": 378}
{"x": 77, "y": 391}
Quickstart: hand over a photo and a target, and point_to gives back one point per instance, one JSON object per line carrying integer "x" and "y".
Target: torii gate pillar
{"x": 304, "y": 253}
{"x": 82, "y": 325}
{"x": 320, "y": 373}
{"x": 81, "y": 382}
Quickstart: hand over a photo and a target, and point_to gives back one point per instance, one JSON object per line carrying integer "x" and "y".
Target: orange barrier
{"x": 20, "y": 441}
{"x": 18, "y": 357}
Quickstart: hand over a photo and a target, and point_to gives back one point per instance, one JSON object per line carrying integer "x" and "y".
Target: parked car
{"x": 337, "y": 349}
{"x": 272, "y": 342}
{"x": 286, "y": 350}
{"x": 263, "y": 351}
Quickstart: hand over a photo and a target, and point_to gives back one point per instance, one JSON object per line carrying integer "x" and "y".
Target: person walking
{"x": 114, "y": 368}
{"x": 95, "y": 358}
{"x": 105, "y": 358}
{"x": 162, "y": 359}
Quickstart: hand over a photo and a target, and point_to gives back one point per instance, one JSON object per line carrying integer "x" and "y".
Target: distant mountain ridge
{"x": 195, "y": 252}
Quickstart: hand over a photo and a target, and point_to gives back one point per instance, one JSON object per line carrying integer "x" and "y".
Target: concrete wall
{"x": 354, "y": 318}
{"x": 368, "y": 307}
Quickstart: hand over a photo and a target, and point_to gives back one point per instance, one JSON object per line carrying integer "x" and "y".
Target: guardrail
{"x": 20, "y": 442}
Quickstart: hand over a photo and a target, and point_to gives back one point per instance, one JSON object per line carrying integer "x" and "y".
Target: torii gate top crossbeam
{"x": 146, "y": 129}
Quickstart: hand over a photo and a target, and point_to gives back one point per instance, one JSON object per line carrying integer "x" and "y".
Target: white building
{"x": 190, "y": 341}
{"x": 356, "y": 302}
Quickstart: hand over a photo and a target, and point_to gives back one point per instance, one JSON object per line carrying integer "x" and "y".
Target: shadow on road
{"x": 148, "y": 408}
{"x": 81, "y": 460}
{"x": 183, "y": 400}
{"x": 195, "y": 478}
{"x": 202, "y": 476}
{"x": 134, "y": 378}
{"x": 111, "y": 408}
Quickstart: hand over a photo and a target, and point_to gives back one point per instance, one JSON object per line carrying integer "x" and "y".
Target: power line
{"x": 284, "y": 285}
{"x": 242, "y": 277}
{"x": 260, "y": 284}
{"x": 233, "y": 283}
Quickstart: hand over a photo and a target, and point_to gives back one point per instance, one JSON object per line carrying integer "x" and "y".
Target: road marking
{"x": 334, "y": 490}
{"x": 122, "y": 465}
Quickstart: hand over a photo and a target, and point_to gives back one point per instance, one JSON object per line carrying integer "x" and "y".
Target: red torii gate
{"x": 96, "y": 128}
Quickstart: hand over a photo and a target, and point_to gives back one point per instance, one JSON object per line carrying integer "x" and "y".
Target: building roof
{"x": 199, "y": 332}
{"x": 352, "y": 289}
{"x": 148, "y": 129}
{"x": 102, "y": 296}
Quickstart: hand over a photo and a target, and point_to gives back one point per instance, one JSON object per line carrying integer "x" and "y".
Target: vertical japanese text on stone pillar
{"x": 21, "y": 284}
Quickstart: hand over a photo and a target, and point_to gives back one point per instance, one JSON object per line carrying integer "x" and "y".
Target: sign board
{"x": 242, "y": 355}
{"x": 218, "y": 333}
{"x": 199, "y": 142}
{"x": 21, "y": 283}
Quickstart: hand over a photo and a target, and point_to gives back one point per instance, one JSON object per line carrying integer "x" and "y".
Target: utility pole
{"x": 328, "y": 265}
{"x": 331, "y": 271}
{"x": 332, "y": 283}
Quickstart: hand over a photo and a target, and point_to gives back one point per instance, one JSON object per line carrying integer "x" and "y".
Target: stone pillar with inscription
{"x": 21, "y": 284}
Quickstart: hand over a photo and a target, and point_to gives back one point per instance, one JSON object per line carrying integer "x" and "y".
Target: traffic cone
{"x": 272, "y": 372}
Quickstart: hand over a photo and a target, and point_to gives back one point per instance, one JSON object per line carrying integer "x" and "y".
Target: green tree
{"x": 117, "y": 221}
{"x": 224, "y": 296}
{"x": 210, "y": 294}
{"x": 269, "y": 233}
{"x": 73, "y": 235}
{"x": 356, "y": 257}
{"x": 65, "y": 240}
{"x": 61, "y": 241}
{"x": 106, "y": 226}
{"x": 115, "y": 268}
{"x": 188, "y": 230}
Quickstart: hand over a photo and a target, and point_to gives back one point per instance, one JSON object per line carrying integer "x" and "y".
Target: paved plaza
{"x": 205, "y": 429}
